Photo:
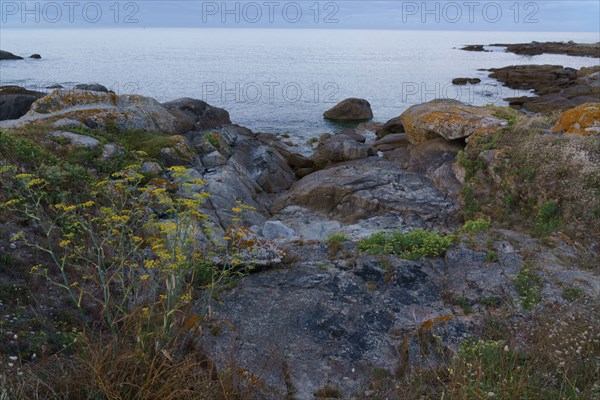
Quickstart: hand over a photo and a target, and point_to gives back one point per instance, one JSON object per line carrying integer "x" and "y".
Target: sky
{"x": 499, "y": 15}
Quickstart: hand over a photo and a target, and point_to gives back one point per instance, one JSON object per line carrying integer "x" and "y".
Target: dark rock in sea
{"x": 464, "y": 81}
{"x": 567, "y": 48}
{"x": 536, "y": 77}
{"x": 56, "y": 86}
{"x": 16, "y": 101}
{"x": 35, "y": 56}
{"x": 93, "y": 87}
{"x": 5, "y": 55}
{"x": 350, "y": 110}
{"x": 558, "y": 88}
{"x": 196, "y": 114}
{"x": 475, "y": 47}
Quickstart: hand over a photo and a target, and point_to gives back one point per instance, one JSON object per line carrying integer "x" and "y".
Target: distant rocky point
{"x": 536, "y": 48}
{"x": 5, "y": 55}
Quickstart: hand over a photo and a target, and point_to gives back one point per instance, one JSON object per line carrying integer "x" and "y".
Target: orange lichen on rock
{"x": 581, "y": 120}
{"x": 449, "y": 119}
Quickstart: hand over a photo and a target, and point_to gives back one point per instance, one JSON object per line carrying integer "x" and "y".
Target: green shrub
{"x": 547, "y": 217}
{"x": 337, "y": 237}
{"x": 476, "y": 226}
{"x": 529, "y": 285}
{"x": 412, "y": 245}
{"x": 571, "y": 293}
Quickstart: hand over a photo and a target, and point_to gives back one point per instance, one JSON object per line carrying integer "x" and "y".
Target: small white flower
{"x": 13, "y": 358}
{"x": 11, "y": 365}
{"x": 506, "y": 348}
{"x": 491, "y": 394}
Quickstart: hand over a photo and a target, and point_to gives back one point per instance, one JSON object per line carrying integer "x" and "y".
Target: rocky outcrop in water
{"x": 557, "y": 88}
{"x": 465, "y": 81}
{"x": 537, "y": 48}
{"x": 350, "y": 110}
{"x": 92, "y": 87}
{"x": 567, "y": 48}
{"x": 5, "y": 55}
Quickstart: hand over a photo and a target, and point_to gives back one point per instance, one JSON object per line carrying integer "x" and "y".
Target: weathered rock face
{"x": 318, "y": 323}
{"x": 16, "y": 101}
{"x": 350, "y": 110}
{"x": 394, "y": 125}
{"x": 366, "y": 188}
{"x": 293, "y": 157}
{"x": 5, "y": 55}
{"x": 391, "y": 142}
{"x": 581, "y": 120}
{"x": 265, "y": 165}
{"x": 449, "y": 119}
{"x": 97, "y": 109}
{"x": 340, "y": 148}
{"x": 196, "y": 114}
{"x": 239, "y": 167}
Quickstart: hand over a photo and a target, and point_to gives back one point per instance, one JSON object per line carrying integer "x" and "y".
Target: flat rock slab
{"x": 76, "y": 139}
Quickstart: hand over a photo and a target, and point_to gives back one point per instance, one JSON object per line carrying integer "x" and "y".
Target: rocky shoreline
{"x": 322, "y": 312}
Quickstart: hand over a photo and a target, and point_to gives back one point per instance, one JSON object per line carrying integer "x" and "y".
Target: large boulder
{"x": 196, "y": 114}
{"x": 350, "y": 110}
{"x": 449, "y": 119}
{"x": 16, "y": 101}
{"x": 581, "y": 120}
{"x": 5, "y": 55}
{"x": 101, "y": 110}
{"x": 365, "y": 188}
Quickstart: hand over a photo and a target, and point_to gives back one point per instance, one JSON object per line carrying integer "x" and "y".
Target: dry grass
{"x": 553, "y": 354}
{"x": 120, "y": 371}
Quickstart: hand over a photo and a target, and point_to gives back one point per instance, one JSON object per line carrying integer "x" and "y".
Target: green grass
{"x": 571, "y": 293}
{"x": 413, "y": 245}
{"x": 337, "y": 237}
{"x": 529, "y": 286}
{"x": 548, "y": 217}
{"x": 475, "y": 226}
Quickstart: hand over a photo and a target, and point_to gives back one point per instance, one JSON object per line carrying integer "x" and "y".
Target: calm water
{"x": 274, "y": 80}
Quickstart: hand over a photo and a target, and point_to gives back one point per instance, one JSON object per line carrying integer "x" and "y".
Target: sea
{"x": 277, "y": 80}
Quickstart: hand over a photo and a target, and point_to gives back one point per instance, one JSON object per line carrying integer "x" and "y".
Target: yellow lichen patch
{"x": 581, "y": 120}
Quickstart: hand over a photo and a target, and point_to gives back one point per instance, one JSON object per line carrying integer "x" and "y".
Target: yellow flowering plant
{"x": 136, "y": 245}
